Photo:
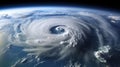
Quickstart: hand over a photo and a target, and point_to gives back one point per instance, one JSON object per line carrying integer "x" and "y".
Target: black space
{"x": 103, "y": 4}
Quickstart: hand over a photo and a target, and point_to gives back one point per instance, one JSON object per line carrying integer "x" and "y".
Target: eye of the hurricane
{"x": 59, "y": 29}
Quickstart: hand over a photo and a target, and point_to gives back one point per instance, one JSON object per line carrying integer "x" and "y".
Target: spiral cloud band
{"x": 83, "y": 38}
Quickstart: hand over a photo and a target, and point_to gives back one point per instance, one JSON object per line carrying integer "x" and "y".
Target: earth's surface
{"x": 59, "y": 37}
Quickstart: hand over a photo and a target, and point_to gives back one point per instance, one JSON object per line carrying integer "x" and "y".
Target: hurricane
{"x": 80, "y": 39}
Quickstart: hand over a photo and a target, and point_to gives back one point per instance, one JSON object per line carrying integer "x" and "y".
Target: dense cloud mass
{"x": 60, "y": 38}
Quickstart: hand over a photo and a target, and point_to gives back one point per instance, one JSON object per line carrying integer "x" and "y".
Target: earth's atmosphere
{"x": 59, "y": 37}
